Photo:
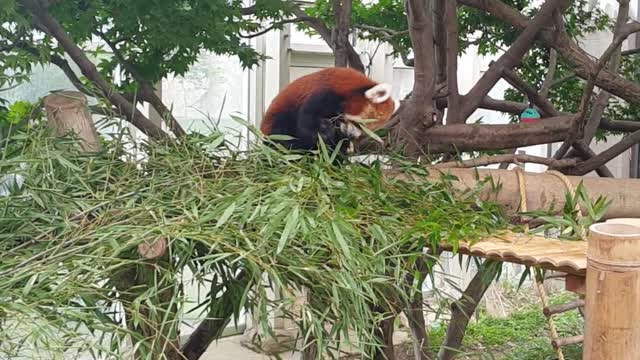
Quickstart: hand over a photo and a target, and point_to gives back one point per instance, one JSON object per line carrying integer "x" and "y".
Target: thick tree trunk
{"x": 453, "y": 100}
{"x": 385, "y": 336}
{"x": 416, "y": 116}
{"x": 212, "y": 327}
{"x": 340, "y": 33}
{"x": 464, "y": 308}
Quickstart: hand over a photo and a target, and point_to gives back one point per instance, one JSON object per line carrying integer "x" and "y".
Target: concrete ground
{"x": 230, "y": 349}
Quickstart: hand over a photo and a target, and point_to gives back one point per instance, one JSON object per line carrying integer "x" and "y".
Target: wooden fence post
{"x": 68, "y": 111}
{"x": 612, "y": 320}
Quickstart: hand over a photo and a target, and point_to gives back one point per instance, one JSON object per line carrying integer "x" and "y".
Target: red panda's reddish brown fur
{"x": 343, "y": 81}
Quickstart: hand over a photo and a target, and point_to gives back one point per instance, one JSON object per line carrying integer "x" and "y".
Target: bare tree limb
{"x": 540, "y": 98}
{"x": 602, "y": 100}
{"x": 551, "y": 71}
{"x": 619, "y": 125}
{"x": 621, "y": 34}
{"x": 563, "y": 79}
{"x": 507, "y": 158}
{"x": 579, "y": 59}
{"x": 605, "y": 156}
{"x": 271, "y": 27}
{"x": 630, "y": 52}
{"x": 548, "y": 110}
{"x": 512, "y": 56}
{"x": 389, "y": 33}
{"x": 415, "y": 313}
{"x": 585, "y": 152}
{"x": 249, "y": 10}
{"x": 481, "y": 137}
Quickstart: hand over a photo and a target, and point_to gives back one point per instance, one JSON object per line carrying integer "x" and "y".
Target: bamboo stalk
{"x": 613, "y": 292}
{"x": 544, "y": 190}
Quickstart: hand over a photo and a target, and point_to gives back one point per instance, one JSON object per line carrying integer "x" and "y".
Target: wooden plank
{"x": 553, "y": 254}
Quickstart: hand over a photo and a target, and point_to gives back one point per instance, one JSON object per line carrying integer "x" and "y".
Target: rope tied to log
{"x": 581, "y": 232}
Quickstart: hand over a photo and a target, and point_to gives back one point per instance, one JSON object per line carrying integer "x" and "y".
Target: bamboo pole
{"x": 612, "y": 322}
{"x": 67, "y": 111}
{"x": 545, "y": 191}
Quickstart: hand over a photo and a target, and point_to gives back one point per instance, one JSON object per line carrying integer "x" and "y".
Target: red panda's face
{"x": 376, "y": 108}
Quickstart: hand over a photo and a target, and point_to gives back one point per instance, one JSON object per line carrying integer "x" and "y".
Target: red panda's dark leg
{"x": 319, "y": 116}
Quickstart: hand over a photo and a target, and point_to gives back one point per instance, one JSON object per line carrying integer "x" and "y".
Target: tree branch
{"x": 451, "y": 27}
{"x": 547, "y": 83}
{"x": 389, "y": 33}
{"x": 440, "y": 39}
{"x": 421, "y": 31}
{"x": 605, "y": 156}
{"x": 463, "y": 309}
{"x": 41, "y": 16}
{"x": 579, "y": 59}
{"x": 476, "y": 137}
{"x": 512, "y": 56}
{"x": 213, "y": 325}
{"x": 507, "y": 158}
{"x": 249, "y": 10}
{"x": 269, "y": 28}
{"x": 340, "y": 33}
{"x": 619, "y": 125}
{"x": 602, "y": 100}
{"x": 325, "y": 33}
{"x": 621, "y": 33}
{"x": 415, "y": 313}
{"x": 147, "y": 92}
{"x": 548, "y": 110}
{"x": 586, "y": 153}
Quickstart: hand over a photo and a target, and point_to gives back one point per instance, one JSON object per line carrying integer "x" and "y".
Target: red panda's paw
{"x": 350, "y": 129}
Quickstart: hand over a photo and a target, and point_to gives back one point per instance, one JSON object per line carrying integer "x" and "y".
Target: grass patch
{"x": 521, "y": 336}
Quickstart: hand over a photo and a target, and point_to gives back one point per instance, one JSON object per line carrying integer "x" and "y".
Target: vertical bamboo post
{"x": 67, "y": 111}
{"x": 612, "y": 324}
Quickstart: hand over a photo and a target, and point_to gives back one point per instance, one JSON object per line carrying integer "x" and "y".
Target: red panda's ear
{"x": 379, "y": 93}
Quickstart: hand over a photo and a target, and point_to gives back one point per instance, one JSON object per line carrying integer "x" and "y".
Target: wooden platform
{"x": 561, "y": 255}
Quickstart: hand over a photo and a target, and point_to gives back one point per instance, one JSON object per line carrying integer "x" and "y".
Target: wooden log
{"x": 561, "y": 308}
{"x": 68, "y": 111}
{"x": 555, "y": 276}
{"x": 546, "y": 191}
{"x": 570, "y": 340}
{"x": 612, "y": 323}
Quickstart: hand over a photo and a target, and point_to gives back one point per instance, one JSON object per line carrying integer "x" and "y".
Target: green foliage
{"x": 156, "y": 37}
{"x": 69, "y": 240}
{"x": 570, "y": 223}
{"x": 14, "y": 116}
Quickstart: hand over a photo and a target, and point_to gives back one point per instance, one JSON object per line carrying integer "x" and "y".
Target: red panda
{"x": 325, "y": 104}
